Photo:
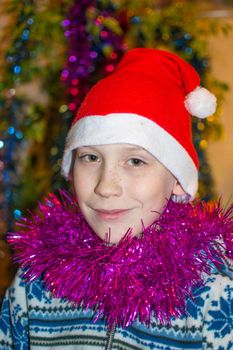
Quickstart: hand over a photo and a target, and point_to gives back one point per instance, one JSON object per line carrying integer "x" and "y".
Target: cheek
{"x": 153, "y": 199}
{"x": 156, "y": 191}
{"x": 82, "y": 184}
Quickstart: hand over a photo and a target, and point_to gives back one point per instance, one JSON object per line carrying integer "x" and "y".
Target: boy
{"x": 129, "y": 266}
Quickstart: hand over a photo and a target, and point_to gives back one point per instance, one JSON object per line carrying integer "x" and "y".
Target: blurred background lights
{"x": 11, "y": 130}
{"x": 17, "y": 69}
{"x": 17, "y": 214}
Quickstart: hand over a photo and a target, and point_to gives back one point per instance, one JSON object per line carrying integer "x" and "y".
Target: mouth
{"x": 111, "y": 214}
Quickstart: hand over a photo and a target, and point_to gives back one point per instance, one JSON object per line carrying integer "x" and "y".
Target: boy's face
{"x": 119, "y": 187}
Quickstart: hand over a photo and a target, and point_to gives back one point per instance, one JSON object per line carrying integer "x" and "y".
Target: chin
{"x": 115, "y": 238}
{"x": 112, "y": 239}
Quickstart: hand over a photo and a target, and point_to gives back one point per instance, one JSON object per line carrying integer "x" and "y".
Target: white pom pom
{"x": 200, "y": 103}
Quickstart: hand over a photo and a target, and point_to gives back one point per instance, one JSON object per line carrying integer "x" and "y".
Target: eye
{"x": 88, "y": 158}
{"x": 136, "y": 162}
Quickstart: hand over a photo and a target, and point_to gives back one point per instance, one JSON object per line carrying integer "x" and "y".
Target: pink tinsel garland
{"x": 138, "y": 278}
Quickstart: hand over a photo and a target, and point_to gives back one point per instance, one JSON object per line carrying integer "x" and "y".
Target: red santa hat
{"x": 146, "y": 101}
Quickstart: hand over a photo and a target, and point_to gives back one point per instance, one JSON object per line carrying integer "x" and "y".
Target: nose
{"x": 109, "y": 182}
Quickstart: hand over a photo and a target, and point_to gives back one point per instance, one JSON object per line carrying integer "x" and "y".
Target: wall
{"x": 220, "y": 153}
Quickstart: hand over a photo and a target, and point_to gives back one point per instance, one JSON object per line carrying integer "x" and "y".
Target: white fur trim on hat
{"x": 133, "y": 129}
{"x": 200, "y": 103}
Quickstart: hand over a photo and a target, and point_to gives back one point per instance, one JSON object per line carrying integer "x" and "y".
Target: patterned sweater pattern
{"x": 33, "y": 319}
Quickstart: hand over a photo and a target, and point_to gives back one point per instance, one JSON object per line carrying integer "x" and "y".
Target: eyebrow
{"x": 129, "y": 147}
{"x": 134, "y": 148}
{"x": 124, "y": 148}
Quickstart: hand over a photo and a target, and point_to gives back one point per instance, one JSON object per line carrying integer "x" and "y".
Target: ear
{"x": 71, "y": 173}
{"x": 70, "y": 177}
{"x": 178, "y": 189}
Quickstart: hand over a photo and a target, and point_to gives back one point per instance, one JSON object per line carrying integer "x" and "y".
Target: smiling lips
{"x": 111, "y": 214}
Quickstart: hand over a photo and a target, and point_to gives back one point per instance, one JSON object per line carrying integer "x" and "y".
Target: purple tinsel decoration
{"x": 138, "y": 278}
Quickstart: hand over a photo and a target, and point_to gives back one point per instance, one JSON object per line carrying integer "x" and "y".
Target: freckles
{"x": 81, "y": 183}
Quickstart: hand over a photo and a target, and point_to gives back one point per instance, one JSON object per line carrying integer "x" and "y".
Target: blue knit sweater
{"x": 33, "y": 319}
